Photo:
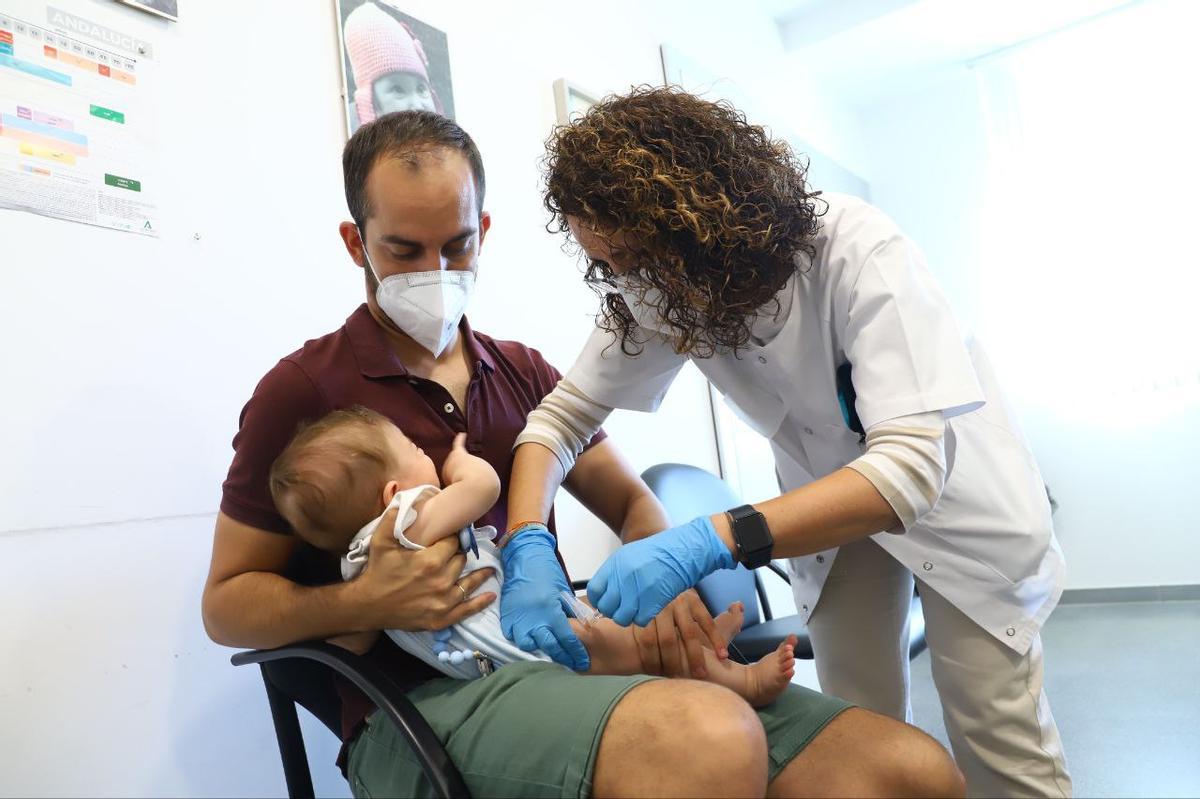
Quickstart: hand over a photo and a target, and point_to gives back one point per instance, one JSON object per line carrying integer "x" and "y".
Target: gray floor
{"x": 1123, "y": 681}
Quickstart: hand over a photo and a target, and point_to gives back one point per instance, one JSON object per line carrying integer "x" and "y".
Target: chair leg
{"x": 291, "y": 742}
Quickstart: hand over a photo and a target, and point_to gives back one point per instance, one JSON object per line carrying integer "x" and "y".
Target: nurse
{"x": 896, "y": 452}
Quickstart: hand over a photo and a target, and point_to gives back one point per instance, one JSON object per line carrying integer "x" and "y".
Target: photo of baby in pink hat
{"x": 392, "y": 62}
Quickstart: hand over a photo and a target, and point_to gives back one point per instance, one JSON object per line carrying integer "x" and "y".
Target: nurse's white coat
{"x": 867, "y": 298}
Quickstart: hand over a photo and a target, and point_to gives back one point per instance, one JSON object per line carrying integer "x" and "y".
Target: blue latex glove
{"x": 641, "y": 578}
{"x": 531, "y": 613}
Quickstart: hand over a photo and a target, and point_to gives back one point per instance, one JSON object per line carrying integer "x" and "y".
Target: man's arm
{"x": 248, "y": 602}
{"x": 607, "y": 485}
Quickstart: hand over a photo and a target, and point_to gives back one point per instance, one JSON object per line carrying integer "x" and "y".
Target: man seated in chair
{"x": 415, "y": 188}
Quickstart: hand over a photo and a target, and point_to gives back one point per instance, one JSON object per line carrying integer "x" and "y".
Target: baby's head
{"x": 341, "y": 471}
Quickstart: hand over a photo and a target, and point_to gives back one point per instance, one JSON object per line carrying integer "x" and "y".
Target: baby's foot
{"x": 729, "y": 623}
{"x": 767, "y": 679}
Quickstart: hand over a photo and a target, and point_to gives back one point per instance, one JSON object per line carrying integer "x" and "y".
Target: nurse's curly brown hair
{"x": 711, "y": 211}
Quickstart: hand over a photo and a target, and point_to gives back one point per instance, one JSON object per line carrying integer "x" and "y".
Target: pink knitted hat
{"x": 378, "y": 44}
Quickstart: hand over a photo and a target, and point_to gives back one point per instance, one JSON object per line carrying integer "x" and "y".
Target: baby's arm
{"x": 472, "y": 488}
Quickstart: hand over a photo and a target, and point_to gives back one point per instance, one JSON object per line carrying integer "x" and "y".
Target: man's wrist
{"x": 354, "y": 603}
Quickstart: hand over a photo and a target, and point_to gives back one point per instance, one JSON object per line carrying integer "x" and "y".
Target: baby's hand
{"x": 461, "y": 465}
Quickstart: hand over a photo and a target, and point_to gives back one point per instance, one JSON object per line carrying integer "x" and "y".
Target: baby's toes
{"x": 787, "y": 651}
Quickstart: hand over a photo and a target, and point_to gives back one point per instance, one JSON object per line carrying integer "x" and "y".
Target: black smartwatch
{"x": 752, "y": 536}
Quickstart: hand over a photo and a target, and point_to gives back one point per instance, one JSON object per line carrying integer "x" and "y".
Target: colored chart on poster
{"x": 76, "y": 135}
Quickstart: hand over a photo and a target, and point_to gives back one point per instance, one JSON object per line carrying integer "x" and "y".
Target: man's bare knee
{"x": 861, "y": 753}
{"x": 907, "y": 762}
{"x": 714, "y": 719}
{"x": 681, "y": 737}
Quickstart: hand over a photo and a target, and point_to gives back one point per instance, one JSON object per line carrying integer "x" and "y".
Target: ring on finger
{"x": 458, "y": 585}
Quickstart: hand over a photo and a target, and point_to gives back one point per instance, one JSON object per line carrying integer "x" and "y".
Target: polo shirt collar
{"x": 376, "y": 358}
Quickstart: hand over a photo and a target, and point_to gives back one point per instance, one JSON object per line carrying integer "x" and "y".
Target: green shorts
{"x": 533, "y": 729}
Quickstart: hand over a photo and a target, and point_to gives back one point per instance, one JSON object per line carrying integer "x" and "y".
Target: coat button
{"x": 928, "y": 566}
{"x": 762, "y": 359}
{"x": 1010, "y": 632}
{"x": 804, "y": 608}
{"x": 808, "y": 430}
{"x": 448, "y": 407}
{"x": 412, "y": 381}
{"x": 820, "y": 558}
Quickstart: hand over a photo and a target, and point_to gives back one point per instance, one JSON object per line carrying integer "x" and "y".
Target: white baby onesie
{"x": 478, "y": 633}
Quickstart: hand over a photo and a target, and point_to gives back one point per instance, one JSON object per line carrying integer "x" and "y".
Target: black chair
{"x": 303, "y": 673}
{"x": 687, "y": 492}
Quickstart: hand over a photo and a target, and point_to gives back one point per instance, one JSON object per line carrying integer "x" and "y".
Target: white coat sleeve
{"x": 906, "y": 462}
{"x": 564, "y": 423}
{"x": 905, "y": 348}
{"x": 607, "y": 376}
{"x": 603, "y": 378}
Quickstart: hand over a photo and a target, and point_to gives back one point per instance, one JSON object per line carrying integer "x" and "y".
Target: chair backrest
{"x": 310, "y": 685}
{"x": 306, "y": 682}
{"x": 687, "y": 492}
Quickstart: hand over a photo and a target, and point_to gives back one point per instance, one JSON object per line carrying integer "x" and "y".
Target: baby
{"x": 338, "y": 477}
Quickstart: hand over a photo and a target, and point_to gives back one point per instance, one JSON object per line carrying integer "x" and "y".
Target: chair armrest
{"x": 387, "y": 696}
{"x": 775, "y": 567}
{"x": 761, "y": 589}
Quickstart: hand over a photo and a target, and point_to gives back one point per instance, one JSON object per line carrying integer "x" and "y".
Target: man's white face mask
{"x": 427, "y": 306}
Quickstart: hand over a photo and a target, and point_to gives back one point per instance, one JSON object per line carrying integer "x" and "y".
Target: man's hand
{"x": 642, "y": 577}
{"x": 531, "y": 613}
{"x": 681, "y": 630}
{"x": 406, "y": 590}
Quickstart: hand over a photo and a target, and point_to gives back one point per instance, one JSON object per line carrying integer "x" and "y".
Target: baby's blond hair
{"x": 328, "y": 481}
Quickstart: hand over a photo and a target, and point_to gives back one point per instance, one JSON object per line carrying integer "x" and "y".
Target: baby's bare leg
{"x": 611, "y": 647}
{"x": 614, "y": 651}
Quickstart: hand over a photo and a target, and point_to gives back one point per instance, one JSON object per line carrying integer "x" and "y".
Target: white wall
{"x": 127, "y": 360}
{"x": 1124, "y": 478}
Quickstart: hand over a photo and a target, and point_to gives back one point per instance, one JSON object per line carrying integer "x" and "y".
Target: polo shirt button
{"x": 808, "y": 430}
{"x": 804, "y": 608}
{"x": 762, "y": 359}
{"x": 412, "y": 381}
{"x": 928, "y": 566}
{"x": 448, "y": 407}
{"x": 820, "y": 558}
{"x": 1010, "y": 632}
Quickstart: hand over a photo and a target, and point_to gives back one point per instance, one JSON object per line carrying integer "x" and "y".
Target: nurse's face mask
{"x": 642, "y": 300}
{"x": 427, "y": 306}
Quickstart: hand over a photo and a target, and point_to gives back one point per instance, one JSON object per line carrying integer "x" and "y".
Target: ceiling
{"x": 860, "y": 48}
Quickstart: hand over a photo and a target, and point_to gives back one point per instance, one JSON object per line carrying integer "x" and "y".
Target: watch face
{"x": 753, "y": 537}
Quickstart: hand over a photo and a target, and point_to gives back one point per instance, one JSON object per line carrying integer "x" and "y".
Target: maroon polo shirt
{"x": 355, "y": 366}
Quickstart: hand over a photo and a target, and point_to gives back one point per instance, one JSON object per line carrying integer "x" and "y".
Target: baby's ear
{"x": 390, "y": 489}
